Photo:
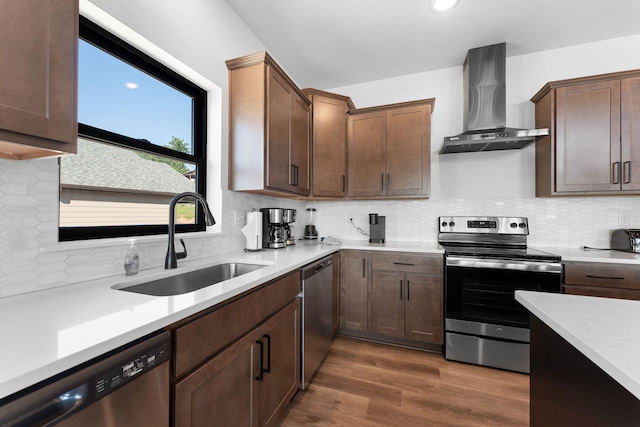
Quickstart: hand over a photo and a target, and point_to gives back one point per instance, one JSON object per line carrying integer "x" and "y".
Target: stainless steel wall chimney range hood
{"x": 485, "y": 107}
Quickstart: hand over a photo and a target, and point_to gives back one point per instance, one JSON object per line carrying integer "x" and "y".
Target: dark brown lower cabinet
{"x": 392, "y": 297}
{"x": 568, "y": 389}
{"x": 222, "y": 391}
{"x": 281, "y": 357}
{"x": 250, "y": 382}
{"x": 354, "y": 279}
{"x": 406, "y": 305}
{"x": 602, "y": 280}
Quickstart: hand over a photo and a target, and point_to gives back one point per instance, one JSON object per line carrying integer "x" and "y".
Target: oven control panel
{"x": 484, "y": 224}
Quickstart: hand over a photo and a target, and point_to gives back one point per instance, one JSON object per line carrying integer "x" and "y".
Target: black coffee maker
{"x": 376, "y": 228}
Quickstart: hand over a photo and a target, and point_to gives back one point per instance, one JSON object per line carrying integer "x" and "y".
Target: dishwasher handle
{"x": 54, "y": 410}
{"x": 316, "y": 267}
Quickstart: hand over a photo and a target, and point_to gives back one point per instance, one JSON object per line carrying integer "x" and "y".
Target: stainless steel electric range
{"x": 486, "y": 261}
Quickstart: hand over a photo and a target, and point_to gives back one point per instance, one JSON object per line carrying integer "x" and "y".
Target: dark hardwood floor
{"x": 368, "y": 384}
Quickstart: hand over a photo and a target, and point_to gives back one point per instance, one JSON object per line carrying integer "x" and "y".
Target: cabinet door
{"x": 38, "y": 89}
{"x": 423, "y": 308}
{"x": 367, "y": 154}
{"x": 278, "y": 127}
{"x": 386, "y": 303}
{"x": 329, "y": 147}
{"x": 299, "y": 166}
{"x": 281, "y": 356}
{"x": 630, "y": 93}
{"x": 408, "y": 151}
{"x": 354, "y": 274}
{"x": 224, "y": 391}
{"x": 588, "y": 137}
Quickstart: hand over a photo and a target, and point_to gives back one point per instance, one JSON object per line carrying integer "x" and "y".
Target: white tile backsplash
{"x": 31, "y": 258}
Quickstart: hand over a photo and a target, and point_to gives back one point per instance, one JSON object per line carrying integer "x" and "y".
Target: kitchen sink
{"x": 190, "y": 281}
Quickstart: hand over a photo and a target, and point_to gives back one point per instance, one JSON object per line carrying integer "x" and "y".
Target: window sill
{"x": 124, "y": 241}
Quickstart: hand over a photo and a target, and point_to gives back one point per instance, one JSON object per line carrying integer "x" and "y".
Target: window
{"x": 142, "y": 139}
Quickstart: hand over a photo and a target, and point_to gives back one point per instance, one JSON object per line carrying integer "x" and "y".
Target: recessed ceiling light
{"x": 442, "y": 5}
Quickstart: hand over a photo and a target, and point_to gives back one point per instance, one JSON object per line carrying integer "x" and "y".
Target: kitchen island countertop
{"x": 605, "y": 330}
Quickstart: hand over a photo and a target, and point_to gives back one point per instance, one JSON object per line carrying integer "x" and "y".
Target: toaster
{"x": 625, "y": 239}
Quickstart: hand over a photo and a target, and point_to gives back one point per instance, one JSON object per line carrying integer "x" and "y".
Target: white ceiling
{"x": 332, "y": 43}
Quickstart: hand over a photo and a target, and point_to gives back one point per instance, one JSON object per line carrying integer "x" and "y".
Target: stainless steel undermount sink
{"x": 191, "y": 280}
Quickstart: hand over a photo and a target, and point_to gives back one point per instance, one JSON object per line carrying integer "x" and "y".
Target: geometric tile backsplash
{"x": 31, "y": 259}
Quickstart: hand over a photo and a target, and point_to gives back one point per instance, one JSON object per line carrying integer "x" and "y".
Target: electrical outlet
{"x": 624, "y": 218}
{"x": 238, "y": 217}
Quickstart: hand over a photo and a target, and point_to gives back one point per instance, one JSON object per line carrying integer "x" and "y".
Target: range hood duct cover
{"x": 484, "y": 72}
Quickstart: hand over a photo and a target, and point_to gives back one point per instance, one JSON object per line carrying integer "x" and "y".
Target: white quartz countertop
{"x": 605, "y": 330}
{"x": 45, "y": 333}
{"x": 586, "y": 255}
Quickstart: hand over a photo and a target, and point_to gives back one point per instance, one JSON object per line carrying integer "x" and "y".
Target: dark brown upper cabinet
{"x": 390, "y": 150}
{"x": 329, "y": 143}
{"x": 38, "y": 88}
{"x": 269, "y": 129}
{"x": 593, "y": 147}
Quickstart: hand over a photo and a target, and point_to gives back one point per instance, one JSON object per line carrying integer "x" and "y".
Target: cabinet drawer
{"x": 600, "y": 291}
{"x": 406, "y": 262}
{"x": 602, "y": 275}
{"x": 206, "y": 335}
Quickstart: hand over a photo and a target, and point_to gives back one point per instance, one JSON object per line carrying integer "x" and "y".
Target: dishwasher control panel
{"x": 133, "y": 367}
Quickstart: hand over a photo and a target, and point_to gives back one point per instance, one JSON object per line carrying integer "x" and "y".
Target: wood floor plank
{"x": 369, "y": 384}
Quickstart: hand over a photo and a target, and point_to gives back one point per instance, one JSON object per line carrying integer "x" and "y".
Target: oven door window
{"x": 488, "y": 295}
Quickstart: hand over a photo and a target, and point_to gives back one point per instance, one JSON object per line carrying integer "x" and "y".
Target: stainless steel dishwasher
{"x": 129, "y": 387}
{"x": 316, "y": 329}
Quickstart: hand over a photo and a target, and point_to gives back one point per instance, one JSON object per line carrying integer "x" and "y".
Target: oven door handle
{"x": 505, "y": 264}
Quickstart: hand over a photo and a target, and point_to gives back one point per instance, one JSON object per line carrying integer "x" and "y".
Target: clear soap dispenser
{"x": 131, "y": 259}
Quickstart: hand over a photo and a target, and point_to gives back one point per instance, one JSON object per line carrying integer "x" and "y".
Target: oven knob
{"x": 523, "y": 225}
{"x": 451, "y": 224}
{"x": 513, "y": 225}
{"x": 444, "y": 223}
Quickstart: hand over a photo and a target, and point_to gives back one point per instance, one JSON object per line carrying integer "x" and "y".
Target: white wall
{"x": 203, "y": 34}
{"x": 491, "y": 183}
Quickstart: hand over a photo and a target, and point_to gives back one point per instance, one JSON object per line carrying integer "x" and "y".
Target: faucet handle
{"x": 183, "y": 254}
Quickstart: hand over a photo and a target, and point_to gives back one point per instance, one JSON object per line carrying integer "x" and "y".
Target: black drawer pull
{"x": 404, "y": 263}
{"x": 268, "y": 337}
{"x": 604, "y": 277}
{"x": 259, "y": 377}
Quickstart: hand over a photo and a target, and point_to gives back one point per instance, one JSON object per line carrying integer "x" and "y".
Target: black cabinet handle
{"x": 626, "y": 172}
{"x": 381, "y": 181}
{"x": 604, "y": 277}
{"x": 404, "y": 263}
{"x": 294, "y": 172}
{"x": 364, "y": 266}
{"x": 408, "y": 290}
{"x": 344, "y": 183}
{"x": 400, "y": 290}
{"x": 259, "y": 377}
{"x": 268, "y": 337}
{"x": 388, "y": 182}
{"x": 616, "y": 173}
